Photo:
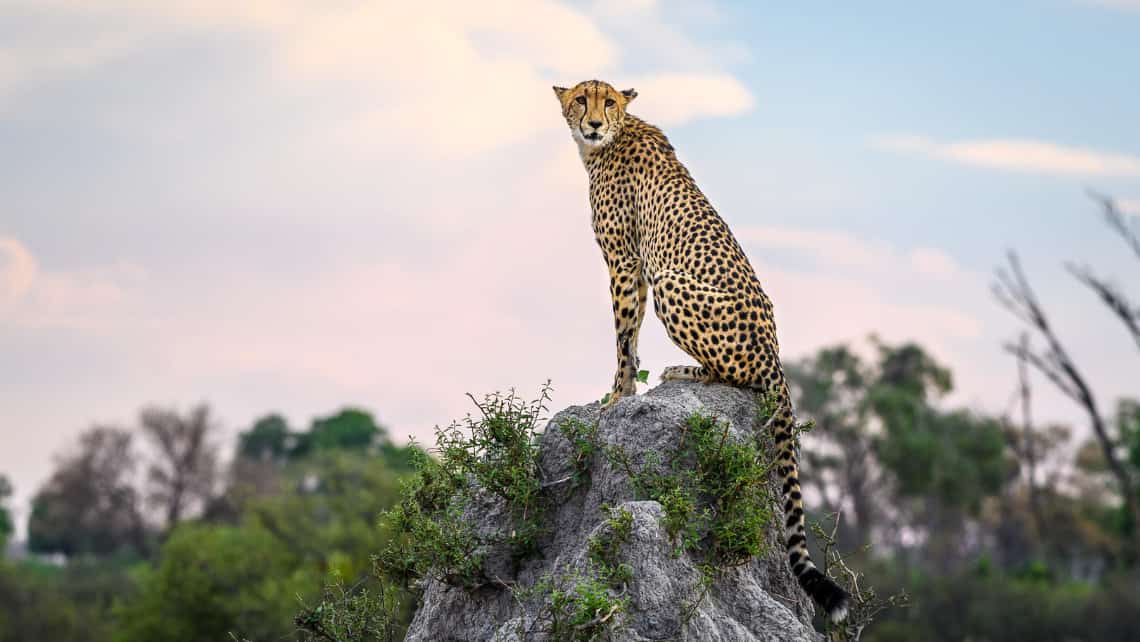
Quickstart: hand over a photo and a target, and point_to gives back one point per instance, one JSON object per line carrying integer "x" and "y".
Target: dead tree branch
{"x": 1118, "y": 221}
{"x": 1111, "y": 296}
{"x": 1014, "y": 292}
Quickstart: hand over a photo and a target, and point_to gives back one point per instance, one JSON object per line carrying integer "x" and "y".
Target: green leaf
{"x": 643, "y": 376}
{"x": 606, "y": 399}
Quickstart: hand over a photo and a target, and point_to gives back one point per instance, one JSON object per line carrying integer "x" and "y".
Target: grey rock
{"x": 759, "y": 601}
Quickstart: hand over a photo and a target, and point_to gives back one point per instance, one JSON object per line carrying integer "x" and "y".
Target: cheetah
{"x": 658, "y": 232}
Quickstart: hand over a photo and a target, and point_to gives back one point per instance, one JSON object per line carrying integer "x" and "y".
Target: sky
{"x": 297, "y": 206}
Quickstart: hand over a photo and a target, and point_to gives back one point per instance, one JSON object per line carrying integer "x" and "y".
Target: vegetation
{"x": 714, "y": 489}
{"x": 584, "y": 611}
{"x": 6, "y": 524}
{"x": 604, "y": 550}
{"x": 583, "y": 438}
{"x": 241, "y": 560}
{"x": 996, "y": 526}
{"x": 494, "y": 453}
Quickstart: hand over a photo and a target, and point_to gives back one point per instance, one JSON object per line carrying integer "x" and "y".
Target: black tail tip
{"x": 826, "y": 593}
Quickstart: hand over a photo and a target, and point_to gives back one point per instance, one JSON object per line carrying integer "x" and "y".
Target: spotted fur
{"x": 658, "y": 231}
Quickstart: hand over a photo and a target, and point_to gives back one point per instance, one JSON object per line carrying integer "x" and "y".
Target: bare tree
{"x": 183, "y": 476}
{"x": 1013, "y": 291}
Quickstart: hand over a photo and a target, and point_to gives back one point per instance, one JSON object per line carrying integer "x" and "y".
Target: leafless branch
{"x": 1118, "y": 221}
{"x": 1111, "y": 296}
{"x": 1058, "y": 367}
{"x": 1047, "y": 366}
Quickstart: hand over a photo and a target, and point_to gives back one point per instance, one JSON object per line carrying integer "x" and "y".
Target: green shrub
{"x": 714, "y": 491}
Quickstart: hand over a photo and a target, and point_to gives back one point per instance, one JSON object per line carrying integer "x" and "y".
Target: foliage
{"x": 212, "y": 580}
{"x": 714, "y": 490}
{"x": 6, "y": 525}
{"x": 356, "y": 613}
{"x": 991, "y": 605}
{"x": 1128, "y": 427}
{"x": 429, "y": 536}
{"x": 90, "y": 505}
{"x": 883, "y": 440}
{"x": 583, "y": 438}
{"x": 349, "y": 429}
{"x": 208, "y": 582}
{"x": 269, "y": 439}
{"x": 499, "y": 451}
{"x": 494, "y": 453}
{"x": 583, "y": 610}
{"x": 69, "y": 604}
{"x": 603, "y": 550}
{"x": 573, "y": 607}
{"x": 956, "y": 457}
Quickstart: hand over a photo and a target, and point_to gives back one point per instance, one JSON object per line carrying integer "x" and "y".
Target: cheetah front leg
{"x": 641, "y": 299}
{"x": 628, "y": 291}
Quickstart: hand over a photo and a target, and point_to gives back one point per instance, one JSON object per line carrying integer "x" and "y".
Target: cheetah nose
{"x": 595, "y": 123}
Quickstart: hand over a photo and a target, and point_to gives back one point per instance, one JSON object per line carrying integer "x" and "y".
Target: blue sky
{"x": 281, "y": 206}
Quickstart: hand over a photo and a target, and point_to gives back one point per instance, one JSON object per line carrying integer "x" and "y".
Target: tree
{"x": 6, "y": 525}
{"x": 831, "y": 388}
{"x": 184, "y": 475}
{"x": 89, "y": 504}
{"x": 270, "y": 439}
{"x": 246, "y": 578}
{"x": 349, "y": 429}
{"x": 211, "y": 581}
{"x": 889, "y": 451}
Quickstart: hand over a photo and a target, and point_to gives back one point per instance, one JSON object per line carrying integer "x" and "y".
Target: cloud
{"x": 17, "y": 270}
{"x": 452, "y": 78}
{"x": 675, "y": 99}
{"x": 23, "y": 63}
{"x": 1018, "y": 156}
{"x": 933, "y": 263}
{"x": 833, "y": 248}
{"x": 868, "y": 281}
{"x": 34, "y": 298}
{"x": 839, "y": 250}
{"x": 1120, "y": 5}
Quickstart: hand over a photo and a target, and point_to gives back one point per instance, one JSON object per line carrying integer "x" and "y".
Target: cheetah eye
{"x": 581, "y": 100}
{"x": 609, "y": 102}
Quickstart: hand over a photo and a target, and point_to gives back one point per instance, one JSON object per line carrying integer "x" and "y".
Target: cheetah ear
{"x": 629, "y": 94}
{"x": 559, "y": 91}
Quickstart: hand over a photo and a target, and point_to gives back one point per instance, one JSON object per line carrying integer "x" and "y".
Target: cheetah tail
{"x": 815, "y": 583}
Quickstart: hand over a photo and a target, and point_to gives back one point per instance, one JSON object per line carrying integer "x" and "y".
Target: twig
{"x": 1113, "y": 298}
{"x": 598, "y": 620}
{"x": 1117, "y": 221}
{"x": 556, "y": 482}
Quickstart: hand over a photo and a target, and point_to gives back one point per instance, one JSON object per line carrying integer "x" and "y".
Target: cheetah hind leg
{"x": 686, "y": 373}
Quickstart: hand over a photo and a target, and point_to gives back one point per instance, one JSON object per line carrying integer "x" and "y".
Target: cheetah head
{"x": 594, "y": 110}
